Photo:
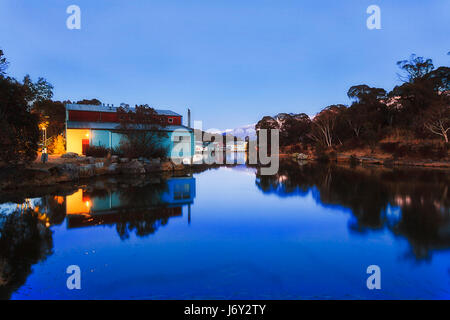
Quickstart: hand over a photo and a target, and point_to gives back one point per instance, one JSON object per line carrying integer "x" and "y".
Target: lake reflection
{"x": 413, "y": 203}
{"x": 308, "y": 232}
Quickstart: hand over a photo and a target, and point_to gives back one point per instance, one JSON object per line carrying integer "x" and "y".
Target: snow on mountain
{"x": 242, "y": 132}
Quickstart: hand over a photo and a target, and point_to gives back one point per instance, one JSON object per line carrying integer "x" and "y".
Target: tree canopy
{"x": 94, "y": 102}
{"x": 420, "y": 105}
{"x": 19, "y": 134}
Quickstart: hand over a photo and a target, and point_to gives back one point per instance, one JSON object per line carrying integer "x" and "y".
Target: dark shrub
{"x": 132, "y": 151}
{"x": 19, "y": 132}
{"x": 442, "y": 150}
{"x": 425, "y": 150}
{"x": 97, "y": 151}
{"x": 321, "y": 154}
{"x": 332, "y": 155}
{"x": 159, "y": 153}
{"x": 351, "y": 144}
{"x": 117, "y": 151}
{"x": 402, "y": 150}
{"x": 297, "y": 148}
{"x": 322, "y": 157}
{"x": 353, "y": 160}
{"x": 389, "y": 147}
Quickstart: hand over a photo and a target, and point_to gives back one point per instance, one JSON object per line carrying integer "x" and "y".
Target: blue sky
{"x": 231, "y": 62}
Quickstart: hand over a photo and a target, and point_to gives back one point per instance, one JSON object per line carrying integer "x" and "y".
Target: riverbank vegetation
{"x": 412, "y": 120}
{"x": 26, "y": 110}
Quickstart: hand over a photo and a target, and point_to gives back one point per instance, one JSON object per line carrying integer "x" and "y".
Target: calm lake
{"x": 309, "y": 232}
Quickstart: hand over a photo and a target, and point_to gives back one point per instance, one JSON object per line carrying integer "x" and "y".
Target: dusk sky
{"x": 231, "y": 62}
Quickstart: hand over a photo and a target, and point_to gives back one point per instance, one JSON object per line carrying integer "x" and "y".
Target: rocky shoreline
{"x": 75, "y": 168}
{"x": 72, "y": 168}
{"x": 389, "y": 162}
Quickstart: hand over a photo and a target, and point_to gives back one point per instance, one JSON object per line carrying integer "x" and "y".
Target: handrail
{"x": 44, "y": 143}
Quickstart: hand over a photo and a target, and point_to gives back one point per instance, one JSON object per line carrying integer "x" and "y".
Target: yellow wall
{"x": 74, "y": 137}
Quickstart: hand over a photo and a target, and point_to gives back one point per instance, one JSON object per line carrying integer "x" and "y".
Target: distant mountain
{"x": 242, "y": 132}
{"x": 249, "y": 129}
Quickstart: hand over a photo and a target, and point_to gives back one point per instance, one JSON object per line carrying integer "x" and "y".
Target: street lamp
{"x": 43, "y": 126}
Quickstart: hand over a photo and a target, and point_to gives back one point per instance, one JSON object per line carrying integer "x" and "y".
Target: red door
{"x": 84, "y": 145}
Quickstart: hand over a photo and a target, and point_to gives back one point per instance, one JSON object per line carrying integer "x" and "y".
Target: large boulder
{"x": 152, "y": 168}
{"x": 300, "y": 156}
{"x": 153, "y": 165}
{"x": 170, "y": 166}
{"x": 70, "y": 155}
{"x": 167, "y": 166}
{"x": 87, "y": 170}
{"x": 101, "y": 168}
{"x": 112, "y": 168}
{"x": 144, "y": 160}
{"x": 155, "y": 161}
{"x": 65, "y": 172}
{"x": 99, "y": 164}
{"x": 133, "y": 167}
{"x": 178, "y": 167}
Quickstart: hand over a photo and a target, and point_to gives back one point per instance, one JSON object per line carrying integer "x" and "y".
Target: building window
{"x": 182, "y": 192}
{"x": 170, "y": 120}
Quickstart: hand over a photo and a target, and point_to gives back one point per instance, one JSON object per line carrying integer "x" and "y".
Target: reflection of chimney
{"x": 189, "y": 118}
{"x": 189, "y": 213}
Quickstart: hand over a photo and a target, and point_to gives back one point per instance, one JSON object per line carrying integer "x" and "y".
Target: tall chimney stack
{"x": 189, "y": 118}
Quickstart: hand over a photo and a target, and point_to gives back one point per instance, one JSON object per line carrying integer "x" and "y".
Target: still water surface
{"x": 309, "y": 232}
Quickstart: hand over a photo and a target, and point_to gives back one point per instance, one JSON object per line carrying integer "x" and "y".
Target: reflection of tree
{"x": 367, "y": 199}
{"x": 24, "y": 241}
{"x": 55, "y": 208}
{"x": 424, "y": 226}
{"x": 421, "y": 195}
{"x": 143, "y": 195}
{"x": 143, "y": 223}
{"x": 140, "y": 198}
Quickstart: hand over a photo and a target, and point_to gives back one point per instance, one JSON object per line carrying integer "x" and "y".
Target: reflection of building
{"x": 180, "y": 191}
{"x": 236, "y": 157}
{"x": 88, "y": 208}
{"x": 238, "y": 146}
